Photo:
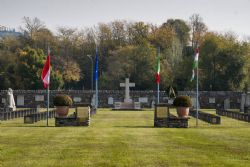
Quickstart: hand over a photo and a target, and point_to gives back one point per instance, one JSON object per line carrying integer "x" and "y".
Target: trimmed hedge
{"x": 62, "y": 100}
{"x": 182, "y": 101}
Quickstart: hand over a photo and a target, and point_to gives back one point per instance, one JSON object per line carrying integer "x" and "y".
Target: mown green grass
{"x": 117, "y": 138}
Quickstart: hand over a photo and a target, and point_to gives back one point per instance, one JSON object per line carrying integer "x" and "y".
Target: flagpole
{"x": 96, "y": 93}
{"x": 158, "y": 84}
{"x": 48, "y": 105}
{"x": 96, "y": 79}
{"x": 197, "y": 91}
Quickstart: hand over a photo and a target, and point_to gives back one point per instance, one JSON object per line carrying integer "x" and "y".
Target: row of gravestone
{"x": 36, "y": 99}
{"x": 233, "y": 114}
{"x": 16, "y": 114}
{"x": 207, "y": 117}
{"x": 35, "y": 117}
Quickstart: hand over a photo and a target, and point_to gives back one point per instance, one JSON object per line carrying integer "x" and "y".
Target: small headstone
{"x": 77, "y": 99}
{"x": 194, "y": 103}
{"x": 153, "y": 104}
{"x": 247, "y": 100}
{"x": 170, "y": 101}
{"x": 93, "y": 100}
{"x": 38, "y": 108}
{"x": 117, "y": 105}
{"x": 3, "y": 100}
{"x": 110, "y": 101}
{"x": 20, "y": 100}
{"x": 211, "y": 100}
{"x": 227, "y": 103}
{"x": 242, "y": 102}
{"x": 39, "y": 98}
{"x": 137, "y": 105}
{"x": 143, "y": 99}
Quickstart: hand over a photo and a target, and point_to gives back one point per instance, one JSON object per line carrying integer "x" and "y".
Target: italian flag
{"x": 46, "y": 72}
{"x": 195, "y": 64}
{"x": 158, "y": 68}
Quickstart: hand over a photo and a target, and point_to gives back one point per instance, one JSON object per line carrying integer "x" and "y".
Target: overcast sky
{"x": 218, "y": 15}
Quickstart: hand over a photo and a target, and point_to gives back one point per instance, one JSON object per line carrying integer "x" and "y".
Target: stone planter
{"x": 182, "y": 112}
{"x": 62, "y": 111}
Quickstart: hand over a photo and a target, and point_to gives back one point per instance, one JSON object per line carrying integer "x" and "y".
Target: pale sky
{"x": 218, "y": 15}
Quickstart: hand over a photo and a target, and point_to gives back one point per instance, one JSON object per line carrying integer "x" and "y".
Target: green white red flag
{"x": 195, "y": 63}
{"x": 158, "y": 68}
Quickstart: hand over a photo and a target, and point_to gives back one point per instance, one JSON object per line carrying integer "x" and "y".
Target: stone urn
{"x": 62, "y": 111}
{"x": 182, "y": 104}
{"x": 62, "y": 103}
{"x": 182, "y": 112}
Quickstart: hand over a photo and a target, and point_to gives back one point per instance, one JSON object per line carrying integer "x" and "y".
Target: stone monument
{"x": 10, "y": 105}
{"x": 245, "y": 102}
{"x": 128, "y": 103}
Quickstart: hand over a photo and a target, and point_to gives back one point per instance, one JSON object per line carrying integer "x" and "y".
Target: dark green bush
{"x": 62, "y": 100}
{"x": 182, "y": 101}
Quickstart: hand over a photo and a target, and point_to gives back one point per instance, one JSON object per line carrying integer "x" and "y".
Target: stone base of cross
{"x": 127, "y": 85}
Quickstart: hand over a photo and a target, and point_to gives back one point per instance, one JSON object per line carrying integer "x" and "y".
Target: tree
{"x": 31, "y": 26}
{"x": 119, "y": 33}
{"x": 223, "y": 63}
{"x": 7, "y": 70}
{"x": 29, "y": 68}
{"x": 138, "y": 33}
{"x": 180, "y": 28}
{"x": 198, "y": 29}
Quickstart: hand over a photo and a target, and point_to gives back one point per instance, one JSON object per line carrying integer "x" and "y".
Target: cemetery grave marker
{"x": 110, "y": 101}
{"x": 20, "y": 100}
{"x": 128, "y": 103}
{"x": 39, "y": 98}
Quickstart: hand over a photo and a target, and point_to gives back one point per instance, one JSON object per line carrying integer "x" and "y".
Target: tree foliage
{"x": 125, "y": 49}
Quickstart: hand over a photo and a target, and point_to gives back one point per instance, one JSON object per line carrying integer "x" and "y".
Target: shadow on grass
{"x": 134, "y": 126}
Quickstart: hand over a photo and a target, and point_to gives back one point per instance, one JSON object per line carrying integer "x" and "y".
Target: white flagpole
{"x": 96, "y": 77}
{"x": 48, "y": 105}
{"x": 48, "y": 95}
{"x": 158, "y": 84}
{"x": 96, "y": 93}
{"x": 197, "y": 90}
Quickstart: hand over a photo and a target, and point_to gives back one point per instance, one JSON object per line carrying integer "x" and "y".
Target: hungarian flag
{"x": 157, "y": 76}
{"x": 195, "y": 63}
{"x": 46, "y": 72}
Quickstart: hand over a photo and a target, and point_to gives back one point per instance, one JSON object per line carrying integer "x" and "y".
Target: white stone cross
{"x": 127, "y": 85}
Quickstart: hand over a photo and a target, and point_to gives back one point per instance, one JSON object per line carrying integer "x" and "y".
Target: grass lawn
{"x": 117, "y": 138}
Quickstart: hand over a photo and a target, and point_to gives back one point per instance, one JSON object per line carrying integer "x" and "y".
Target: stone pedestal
{"x": 162, "y": 118}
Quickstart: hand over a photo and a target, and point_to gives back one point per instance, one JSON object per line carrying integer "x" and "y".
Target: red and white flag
{"x": 46, "y": 72}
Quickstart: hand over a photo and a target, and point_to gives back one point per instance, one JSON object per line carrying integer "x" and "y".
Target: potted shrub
{"x": 182, "y": 104}
{"x": 62, "y": 103}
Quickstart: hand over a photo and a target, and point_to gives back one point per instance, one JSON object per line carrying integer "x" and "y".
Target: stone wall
{"x": 34, "y": 98}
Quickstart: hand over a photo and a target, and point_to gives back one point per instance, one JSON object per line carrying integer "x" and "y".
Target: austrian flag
{"x": 46, "y": 72}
